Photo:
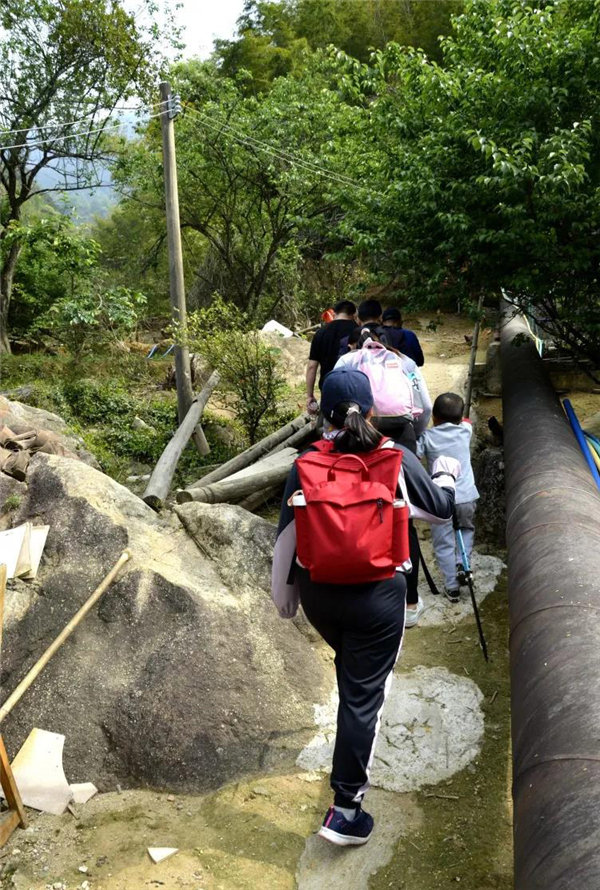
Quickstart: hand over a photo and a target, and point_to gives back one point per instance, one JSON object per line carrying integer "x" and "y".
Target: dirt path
{"x": 441, "y": 788}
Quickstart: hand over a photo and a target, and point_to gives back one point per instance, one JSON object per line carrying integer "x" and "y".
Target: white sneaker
{"x": 411, "y": 616}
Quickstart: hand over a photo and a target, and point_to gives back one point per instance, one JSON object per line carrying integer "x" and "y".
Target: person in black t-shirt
{"x": 369, "y": 316}
{"x": 325, "y": 347}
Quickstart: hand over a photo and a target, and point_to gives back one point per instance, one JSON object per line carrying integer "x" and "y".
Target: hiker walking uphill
{"x": 325, "y": 348}
{"x": 355, "y": 505}
{"x": 401, "y": 399}
{"x": 403, "y": 409}
{"x": 369, "y": 317}
{"x": 401, "y": 338}
{"x": 451, "y": 435}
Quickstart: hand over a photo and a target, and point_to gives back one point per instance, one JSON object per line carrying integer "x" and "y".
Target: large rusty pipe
{"x": 553, "y": 539}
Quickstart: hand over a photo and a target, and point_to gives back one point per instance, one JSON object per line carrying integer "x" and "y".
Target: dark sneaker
{"x": 337, "y": 829}
{"x": 452, "y": 595}
{"x": 460, "y": 574}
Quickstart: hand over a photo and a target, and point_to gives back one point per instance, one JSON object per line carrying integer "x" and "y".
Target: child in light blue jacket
{"x": 451, "y": 435}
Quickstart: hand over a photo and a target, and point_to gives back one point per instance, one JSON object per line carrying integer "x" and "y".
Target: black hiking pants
{"x": 363, "y": 623}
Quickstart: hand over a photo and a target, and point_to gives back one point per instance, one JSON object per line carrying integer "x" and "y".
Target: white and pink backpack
{"x": 395, "y": 390}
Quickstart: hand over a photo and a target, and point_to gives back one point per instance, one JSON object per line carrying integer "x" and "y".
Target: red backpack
{"x": 350, "y": 528}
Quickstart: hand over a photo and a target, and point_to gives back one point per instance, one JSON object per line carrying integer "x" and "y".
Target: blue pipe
{"x": 576, "y": 427}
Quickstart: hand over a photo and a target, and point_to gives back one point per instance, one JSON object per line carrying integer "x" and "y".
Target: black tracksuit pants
{"x": 363, "y": 623}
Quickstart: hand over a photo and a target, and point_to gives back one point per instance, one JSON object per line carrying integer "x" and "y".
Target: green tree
{"x": 488, "y": 168}
{"x": 273, "y": 36}
{"x": 92, "y": 318}
{"x": 253, "y": 178}
{"x": 247, "y": 365}
{"x": 57, "y": 260}
{"x": 62, "y": 61}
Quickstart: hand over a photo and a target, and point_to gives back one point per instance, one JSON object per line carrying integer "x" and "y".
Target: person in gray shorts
{"x": 451, "y": 435}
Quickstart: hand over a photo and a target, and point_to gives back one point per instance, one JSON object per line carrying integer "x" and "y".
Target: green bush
{"x": 92, "y": 401}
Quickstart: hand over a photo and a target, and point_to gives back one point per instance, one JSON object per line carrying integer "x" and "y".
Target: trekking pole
{"x": 469, "y": 580}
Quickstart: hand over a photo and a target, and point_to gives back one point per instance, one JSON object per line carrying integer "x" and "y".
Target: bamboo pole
{"x": 41, "y": 663}
{"x": 247, "y": 457}
{"x": 162, "y": 475}
{"x": 294, "y": 440}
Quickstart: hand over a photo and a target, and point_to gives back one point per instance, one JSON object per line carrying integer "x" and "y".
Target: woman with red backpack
{"x": 363, "y": 622}
{"x": 403, "y": 409}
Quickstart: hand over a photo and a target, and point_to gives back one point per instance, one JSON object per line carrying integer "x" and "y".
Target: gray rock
{"x": 138, "y": 424}
{"x": 183, "y": 676}
{"x": 240, "y": 543}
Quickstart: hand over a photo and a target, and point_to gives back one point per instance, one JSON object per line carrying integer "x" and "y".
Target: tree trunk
{"x": 7, "y": 274}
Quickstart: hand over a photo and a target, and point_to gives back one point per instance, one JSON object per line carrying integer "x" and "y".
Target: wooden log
{"x": 250, "y": 455}
{"x": 200, "y": 441}
{"x": 298, "y": 438}
{"x": 253, "y": 501}
{"x": 232, "y": 490}
{"x": 162, "y": 476}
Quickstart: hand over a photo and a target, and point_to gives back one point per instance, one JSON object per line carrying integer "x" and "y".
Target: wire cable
{"x": 276, "y": 152}
{"x": 280, "y": 153}
{"x": 61, "y": 126}
{"x": 53, "y": 139}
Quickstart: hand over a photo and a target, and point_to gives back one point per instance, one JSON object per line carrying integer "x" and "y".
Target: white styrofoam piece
{"x": 277, "y": 328}
{"x": 157, "y": 854}
{"x": 39, "y": 773}
{"x": 83, "y": 791}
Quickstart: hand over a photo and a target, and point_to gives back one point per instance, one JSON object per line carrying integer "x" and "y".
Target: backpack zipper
{"x": 379, "y": 503}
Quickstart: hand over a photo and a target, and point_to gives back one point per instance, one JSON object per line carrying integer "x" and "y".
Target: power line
{"x": 280, "y": 153}
{"x": 59, "y": 126}
{"x": 53, "y": 139}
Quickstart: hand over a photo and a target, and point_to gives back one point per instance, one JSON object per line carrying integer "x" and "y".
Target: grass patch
{"x": 100, "y": 399}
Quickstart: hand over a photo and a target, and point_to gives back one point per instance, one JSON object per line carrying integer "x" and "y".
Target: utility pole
{"x": 170, "y": 109}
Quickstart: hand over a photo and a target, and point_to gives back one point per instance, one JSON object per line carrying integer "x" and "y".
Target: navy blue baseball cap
{"x": 345, "y": 385}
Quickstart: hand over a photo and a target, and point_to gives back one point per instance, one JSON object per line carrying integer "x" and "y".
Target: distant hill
{"x": 83, "y": 206}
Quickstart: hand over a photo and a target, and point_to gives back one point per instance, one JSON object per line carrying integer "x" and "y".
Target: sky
{"x": 203, "y": 20}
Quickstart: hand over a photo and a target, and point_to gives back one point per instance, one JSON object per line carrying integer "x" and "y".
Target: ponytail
{"x": 357, "y": 434}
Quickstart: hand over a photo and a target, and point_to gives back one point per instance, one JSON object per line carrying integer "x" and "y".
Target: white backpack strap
{"x": 401, "y": 481}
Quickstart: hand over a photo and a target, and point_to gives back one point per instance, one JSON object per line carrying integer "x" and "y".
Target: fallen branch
{"x": 162, "y": 476}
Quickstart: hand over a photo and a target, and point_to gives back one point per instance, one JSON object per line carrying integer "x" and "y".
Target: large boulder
{"x": 183, "y": 676}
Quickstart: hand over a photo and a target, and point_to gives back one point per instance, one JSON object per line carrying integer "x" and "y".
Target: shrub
{"x": 92, "y": 401}
{"x": 247, "y": 365}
